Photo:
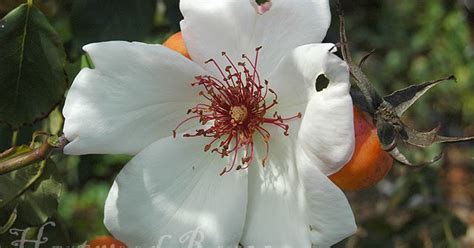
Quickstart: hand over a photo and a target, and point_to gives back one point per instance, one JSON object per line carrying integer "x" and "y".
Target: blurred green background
{"x": 415, "y": 41}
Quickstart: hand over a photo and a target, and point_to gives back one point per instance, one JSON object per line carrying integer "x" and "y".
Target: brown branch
{"x": 34, "y": 156}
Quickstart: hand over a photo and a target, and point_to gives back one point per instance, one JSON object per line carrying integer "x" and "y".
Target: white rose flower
{"x": 249, "y": 162}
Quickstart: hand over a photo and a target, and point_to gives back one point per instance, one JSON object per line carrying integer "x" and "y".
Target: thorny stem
{"x": 370, "y": 94}
{"x": 342, "y": 34}
{"x": 36, "y": 155}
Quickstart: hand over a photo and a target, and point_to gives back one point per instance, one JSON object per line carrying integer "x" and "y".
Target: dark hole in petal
{"x": 322, "y": 82}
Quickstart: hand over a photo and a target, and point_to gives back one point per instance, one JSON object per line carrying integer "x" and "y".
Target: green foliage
{"x": 260, "y": 2}
{"x": 32, "y": 78}
{"x": 84, "y": 210}
{"x": 28, "y": 196}
{"x": 104, "y": 20}
{"x": 14, "y": 184}
{"x": 416, "y": 42}
{"x": 40, "y": 201}
{"x": 415, "y": 229}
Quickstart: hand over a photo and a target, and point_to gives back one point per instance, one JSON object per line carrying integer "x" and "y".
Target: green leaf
{"x": 33, "y": 191}
{"x": 56, "y": 121}
{"x": 32, "y": 60}
{"x": 104, "y": 20}
{"x": 9, "y": 223}
{"x": 12, "y": 185}
{"x": 40, "y": 202}
{"x": 86, "y": 61}
{"x": 260, "y": 2}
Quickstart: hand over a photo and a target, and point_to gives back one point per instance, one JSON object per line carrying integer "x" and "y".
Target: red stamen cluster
{"x": 235, "y": 110}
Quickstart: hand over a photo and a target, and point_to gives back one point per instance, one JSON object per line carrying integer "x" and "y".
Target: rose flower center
{"x": 233, "y": 111}
{"x": 239, "y": 114}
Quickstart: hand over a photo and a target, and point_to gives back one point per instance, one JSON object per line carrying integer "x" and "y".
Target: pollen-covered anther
{"x": 239, "y": 114}
{"x": 234, "y": 112}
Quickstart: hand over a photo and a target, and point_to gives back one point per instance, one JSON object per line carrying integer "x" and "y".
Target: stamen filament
{"x": 236, "y": 108}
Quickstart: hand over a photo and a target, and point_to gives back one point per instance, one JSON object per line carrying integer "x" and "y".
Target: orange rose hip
{"x": 105, "y": 242}
{"x": 175, "y": 42}
{"x": 370, "y": 163}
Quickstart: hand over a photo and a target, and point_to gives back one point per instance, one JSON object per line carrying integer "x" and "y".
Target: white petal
{"x": 292, "y": 203}
{"x": 284, "y": 195}
{"x": 276, "y": 214}
{"x": 210, "y": 27}
{"x": 329, "y": 213}
{"x": 136, "y": 94}
{"x": 171, "y": 191}
{"x": 327, "y": 129}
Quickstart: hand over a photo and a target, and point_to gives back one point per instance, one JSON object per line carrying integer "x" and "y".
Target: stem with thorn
{"x": 370, "y": 94}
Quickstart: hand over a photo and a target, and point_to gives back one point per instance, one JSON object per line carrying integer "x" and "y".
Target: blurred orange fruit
{"x": 175, "y": 42}
{"x": 105, "y": 242}
{"x": 370, "y": 163}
